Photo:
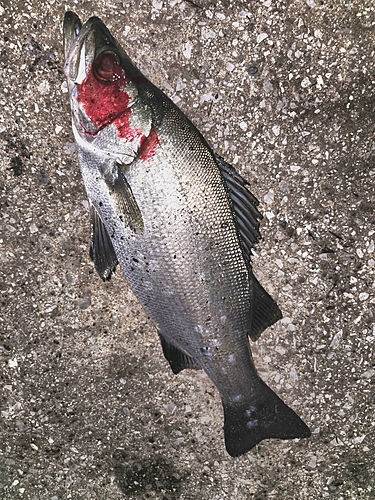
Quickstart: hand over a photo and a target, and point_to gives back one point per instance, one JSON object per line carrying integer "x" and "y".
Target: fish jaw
{"x": 83, "y": 43}
{"x": 107, "y": 114}
{"x": 71, "y": 28}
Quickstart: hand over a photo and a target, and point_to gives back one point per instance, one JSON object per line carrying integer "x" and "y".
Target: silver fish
{"x": 180, "y": 222}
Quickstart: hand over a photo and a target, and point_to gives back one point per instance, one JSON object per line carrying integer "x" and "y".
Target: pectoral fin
{"x": 123, "y": 201}
{"x": 101, "y": 249}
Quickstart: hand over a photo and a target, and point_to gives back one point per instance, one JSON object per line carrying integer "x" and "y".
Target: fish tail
{"x": 263, "y": 416}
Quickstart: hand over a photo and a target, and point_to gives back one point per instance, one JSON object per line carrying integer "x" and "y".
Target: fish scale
{"x": 181, "y": 255}
{"x": 180, "y": 222}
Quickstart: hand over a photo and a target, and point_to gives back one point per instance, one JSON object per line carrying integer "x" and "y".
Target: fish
{"x": 181, "y": 224}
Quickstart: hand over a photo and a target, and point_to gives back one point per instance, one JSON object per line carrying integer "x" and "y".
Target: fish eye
{"x": 107, "y": 67}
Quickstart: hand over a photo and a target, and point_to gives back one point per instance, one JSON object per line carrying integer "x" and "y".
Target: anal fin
{"x": 102, "y": 252}
{"x": 175, "y": 357}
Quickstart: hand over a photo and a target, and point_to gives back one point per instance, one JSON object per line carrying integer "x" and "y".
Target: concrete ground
{"x": 284, "y": 90}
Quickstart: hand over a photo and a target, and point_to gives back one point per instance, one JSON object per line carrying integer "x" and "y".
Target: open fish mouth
{"x": 89, "y": 47}
{"x": 83, "y": 44}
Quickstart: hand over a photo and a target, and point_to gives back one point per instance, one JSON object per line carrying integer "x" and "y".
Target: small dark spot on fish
{"x": 135, "y": 260}
{"x": 100, "y": 203}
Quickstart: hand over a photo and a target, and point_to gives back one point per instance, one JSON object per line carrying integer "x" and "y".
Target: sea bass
{"x": 180, "y": 222}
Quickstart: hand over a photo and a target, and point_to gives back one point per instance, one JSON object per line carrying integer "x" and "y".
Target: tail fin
{"x": 265, "y": 416}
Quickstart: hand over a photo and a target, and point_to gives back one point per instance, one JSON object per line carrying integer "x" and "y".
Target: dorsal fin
{"x": 263, "y": 309}
{"x": 244, "y": 205}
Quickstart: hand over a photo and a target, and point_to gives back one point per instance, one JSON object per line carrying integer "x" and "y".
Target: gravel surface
{"x": 89, "y": 408}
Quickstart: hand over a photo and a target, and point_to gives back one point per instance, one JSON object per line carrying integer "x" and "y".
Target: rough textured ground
{"x": 89, "y": 408}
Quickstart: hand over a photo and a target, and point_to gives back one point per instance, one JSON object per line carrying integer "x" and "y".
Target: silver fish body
{"x": 180, "y": 222}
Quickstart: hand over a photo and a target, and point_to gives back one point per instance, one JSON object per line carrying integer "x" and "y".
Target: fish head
{"x": 103, "y": 85}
